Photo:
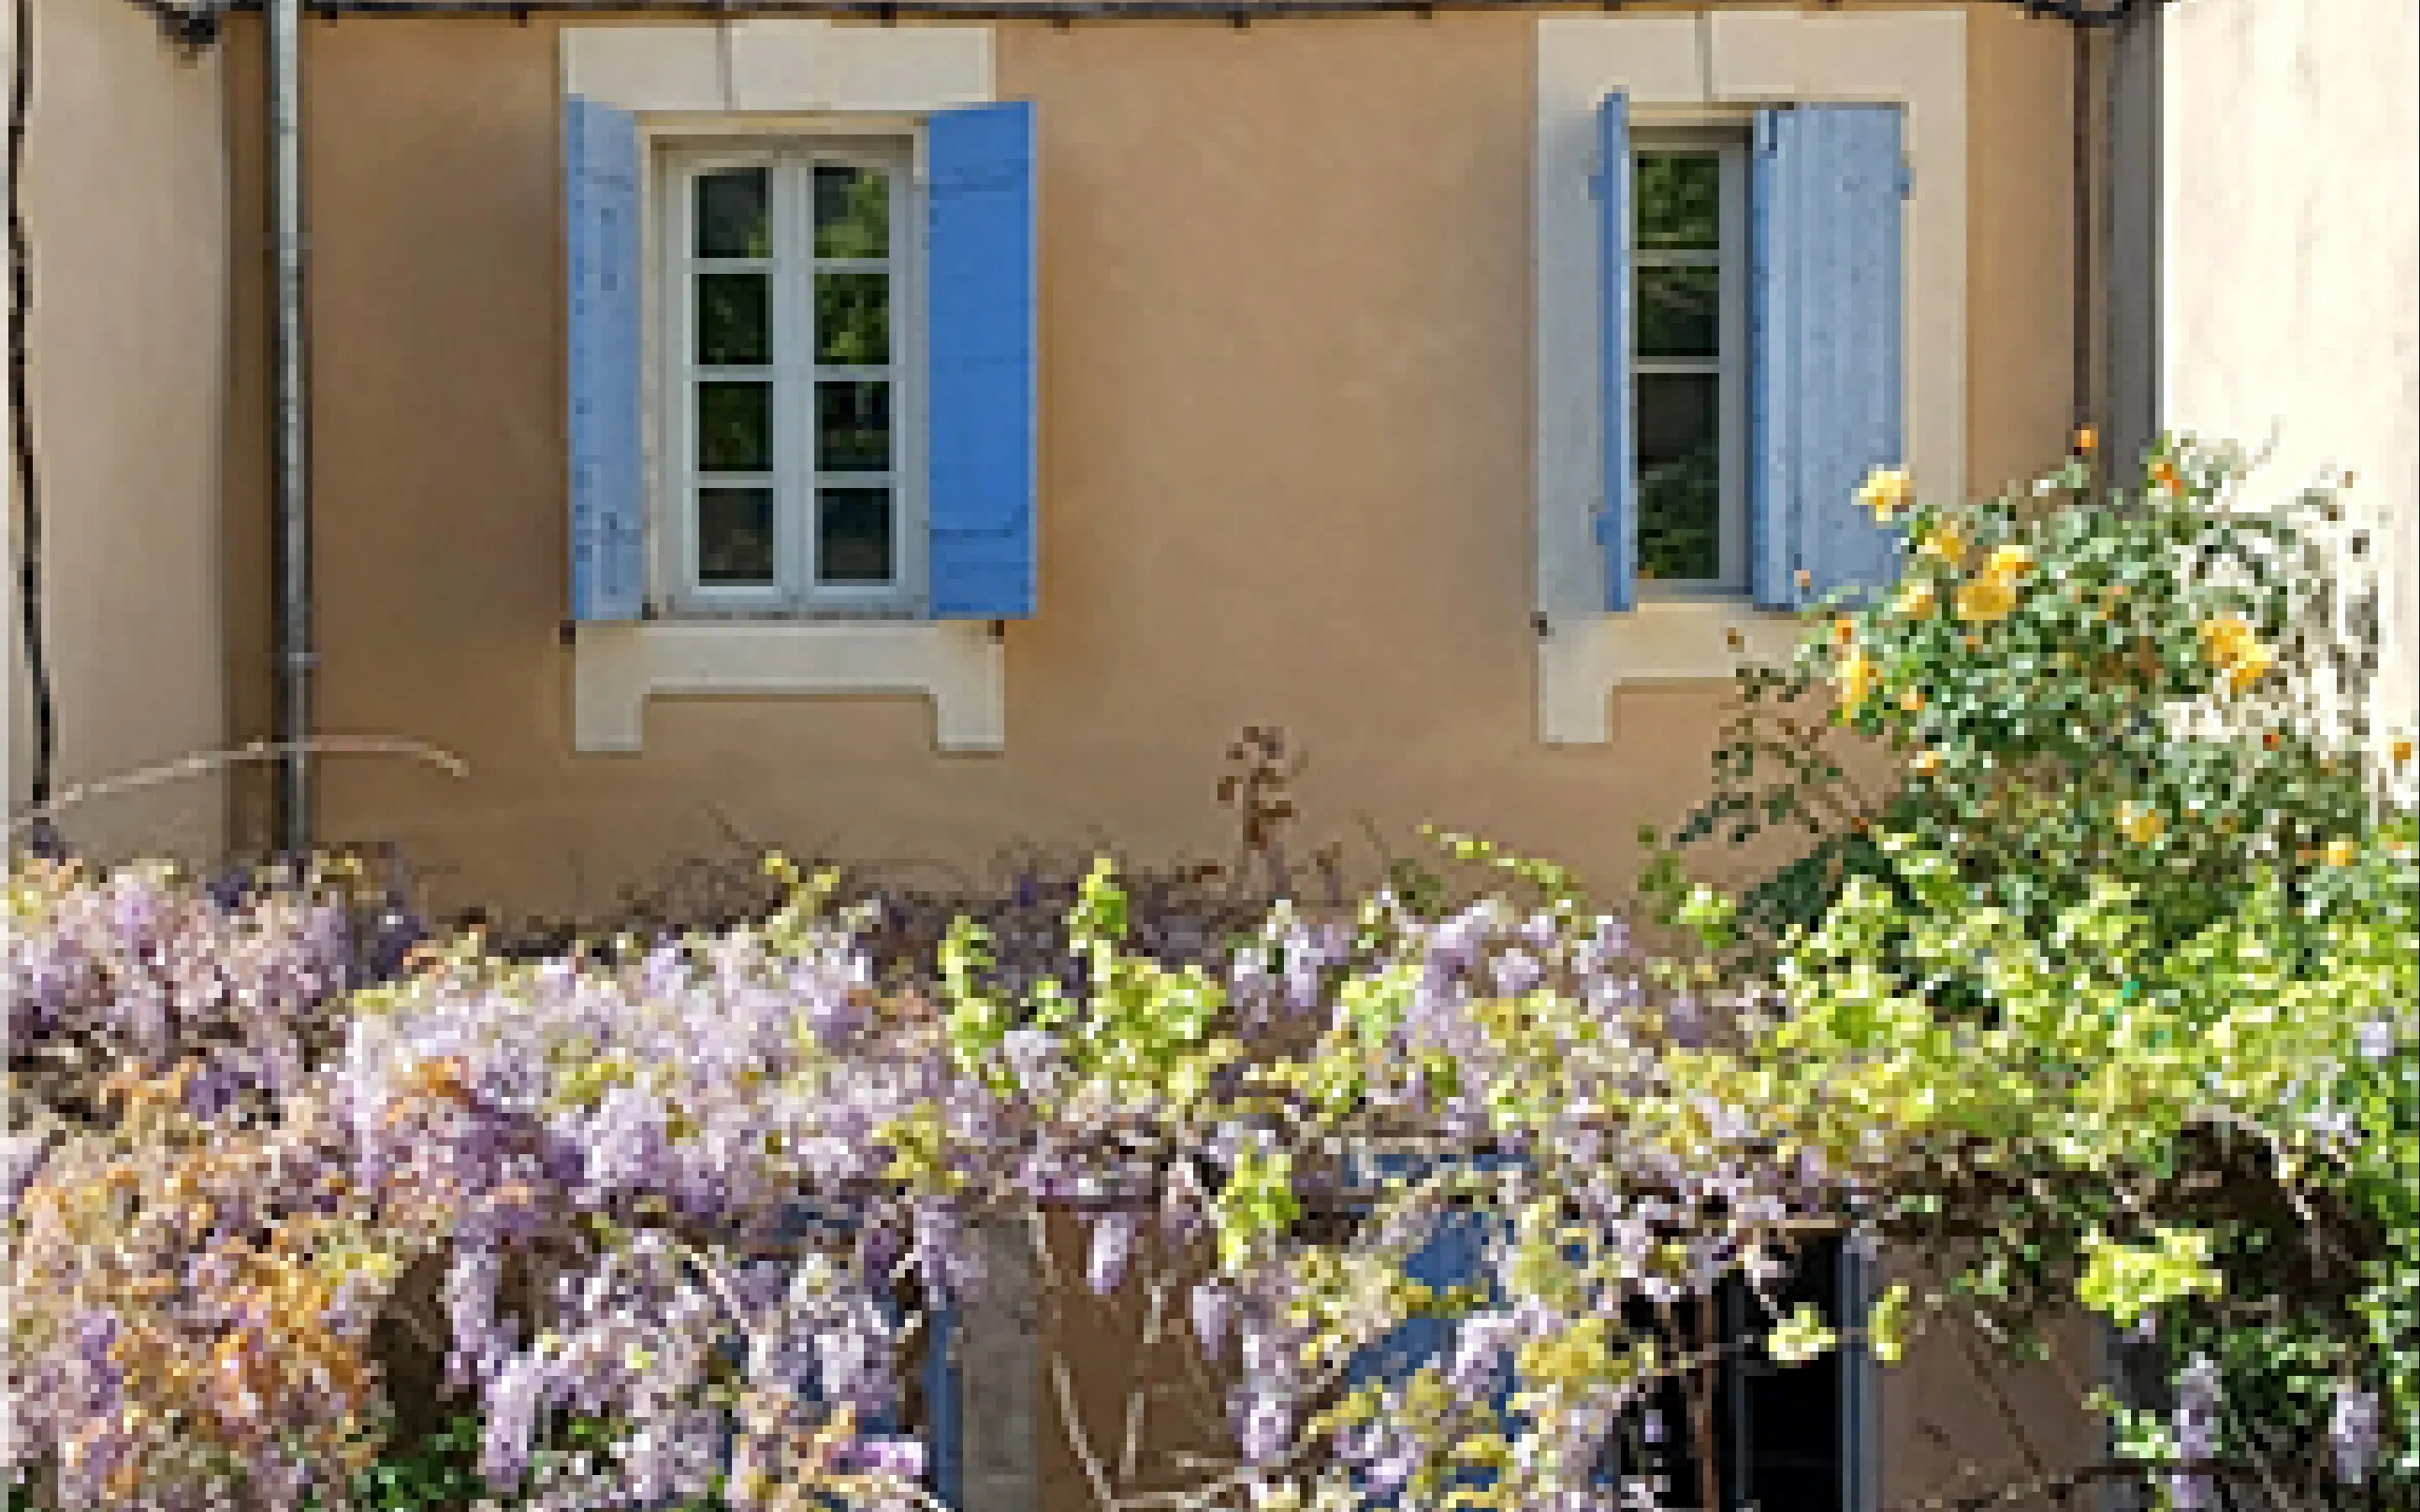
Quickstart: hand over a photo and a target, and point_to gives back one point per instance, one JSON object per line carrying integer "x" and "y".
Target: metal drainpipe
{"x": 289, "y": 424}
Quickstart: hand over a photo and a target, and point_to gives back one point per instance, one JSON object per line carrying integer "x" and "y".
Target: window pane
{"x": 734, "y": 428}
{"x": 735, "y": 319}
{"x": 734, "y": 535}
{"x": 853, "y": 536}
{"x": 852, "y": 211}
{"x": 1677, "y": 196}
{"x": 1680, "y": 311}
{"x": 734, "y": 213}
{"x": 853, "y": 318}
{"x": 853, "y": 427}
{"x": 1680, "y": 477}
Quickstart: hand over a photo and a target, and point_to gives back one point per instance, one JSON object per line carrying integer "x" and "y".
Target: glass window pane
{"x": 735, "y": 319}
{"x": 734, "y": 428}
{"x": 853, "y": 319}
{"x": 852, "y": 211}
{"x": 853, "y": 536}
{"x": 735, "y": 536}
{"x": 853, "y": 427}
{"x": 1680, "y": 311}
{"x": 1680, "y": 477}
{"x": 735, "y": 213}
{"x": 1677, "y": 196}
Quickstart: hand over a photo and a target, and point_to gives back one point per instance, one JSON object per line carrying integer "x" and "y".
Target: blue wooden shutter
{"x": 1827, "y": 185}
{"x": 983, "y": 345}
{"x": 943, "y": 1435}
{"x": 601, "y": 177}
{"x": 1617, "y": 520}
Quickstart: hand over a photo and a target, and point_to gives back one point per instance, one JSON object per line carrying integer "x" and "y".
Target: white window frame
{"x": 1730, "y": 363}
{"x": 795, "y": 592}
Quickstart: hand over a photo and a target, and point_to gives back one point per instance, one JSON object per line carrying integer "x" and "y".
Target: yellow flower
{"x": 2008, "y": 563}
{"x": 2250, "y": 668}
{"x": 1986, "y": 601}
{"x": 2140, "y": 825}
{"x": 2341, "y": 853}
{"x": 2399, "y": 750}
{"x": 2226, "y": 635}
{"x": 2165, "y": 475}
{"x": 1844, "y": 630}
{"x": 1925, "y": 763}
{"x": 2232, "y": 646}
{"x": 1944, "y": 545}
{"x": 1886, "y": 492}
{"x": 1857, "y": 674}
{"x": 1916, "y": 601}
{"x": 1912, "y": 701}
{"x": 2087, "y": 439}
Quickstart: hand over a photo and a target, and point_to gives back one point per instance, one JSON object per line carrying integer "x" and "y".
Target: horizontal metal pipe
{"x": 204, "y": 18}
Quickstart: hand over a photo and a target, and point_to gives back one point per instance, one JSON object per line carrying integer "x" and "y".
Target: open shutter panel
{"x": 1617, "y": 520}
{"x": 1828, "y": 186}
{"x": 982, "y": 349}
{"x": 600, "y": 172}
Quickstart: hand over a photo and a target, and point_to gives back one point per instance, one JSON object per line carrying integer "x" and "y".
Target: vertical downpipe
{"x": 289, "y": 424}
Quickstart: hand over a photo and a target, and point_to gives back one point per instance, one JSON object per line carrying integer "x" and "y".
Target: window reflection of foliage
{"x": 735, "y": 536}
{"x": 1677, "y": 199}
{"x": 1679, "y": 311}
{"x": 735, "y": 319}
{"x": 734, "y": 428}
{"x": 853, "y": 318}
{"x": 1679, "y": 510}
{"x": 852, "y": 214}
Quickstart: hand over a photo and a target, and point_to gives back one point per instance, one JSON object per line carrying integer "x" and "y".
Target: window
{"x": 1689, "y": 361}
{"x": 790, "y": 283}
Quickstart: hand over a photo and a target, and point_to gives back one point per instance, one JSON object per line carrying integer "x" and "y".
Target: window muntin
{"x": 790, "y": 292}
{"x": 1689, "y": 361}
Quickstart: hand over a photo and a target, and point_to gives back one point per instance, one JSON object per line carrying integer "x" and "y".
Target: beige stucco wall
{"x": 1286, "y": 461}
{"x": 2290, "y": 295}
{"x": 125, "y": 200}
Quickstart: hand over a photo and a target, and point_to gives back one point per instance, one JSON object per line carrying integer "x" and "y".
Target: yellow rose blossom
{"x": 1944, "y": 545}
{"x": 1857, "y": 674}
{"x": 1925, "y": 763}
{"x": 1916, "y": 601}
{"x": 1912, "y": 701}
{"x": 2008, "y": 563}
{"x": 2140, "y": 825}
{"x": 1844, "y": 629}
{"x": 2235, "y": 649}
{"x": 2399, "y": 750}
{"x": 1986, "y": 601}
{"x": 2250, "y": 668}
{"x": 2341, "y": 853}
{"x": 1886, "y": 492}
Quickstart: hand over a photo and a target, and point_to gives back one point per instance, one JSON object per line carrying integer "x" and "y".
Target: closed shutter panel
{"x": 1827, "y": 187}
{"x": 983, "y": 404}
{"x": 1617, "y": 520}
{"x": 608, "y": 489}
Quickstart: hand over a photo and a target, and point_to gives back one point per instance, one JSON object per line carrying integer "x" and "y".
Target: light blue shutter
{"x": 601, "y": 177}
{"x": 1617, "y": 520}
{"x": 982, "y": 343}
{"x": 942, "y": 1433}
{"x": 1827, "y": 185}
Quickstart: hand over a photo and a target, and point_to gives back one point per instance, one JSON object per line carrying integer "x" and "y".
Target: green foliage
{"x": 2132, "y": 935}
